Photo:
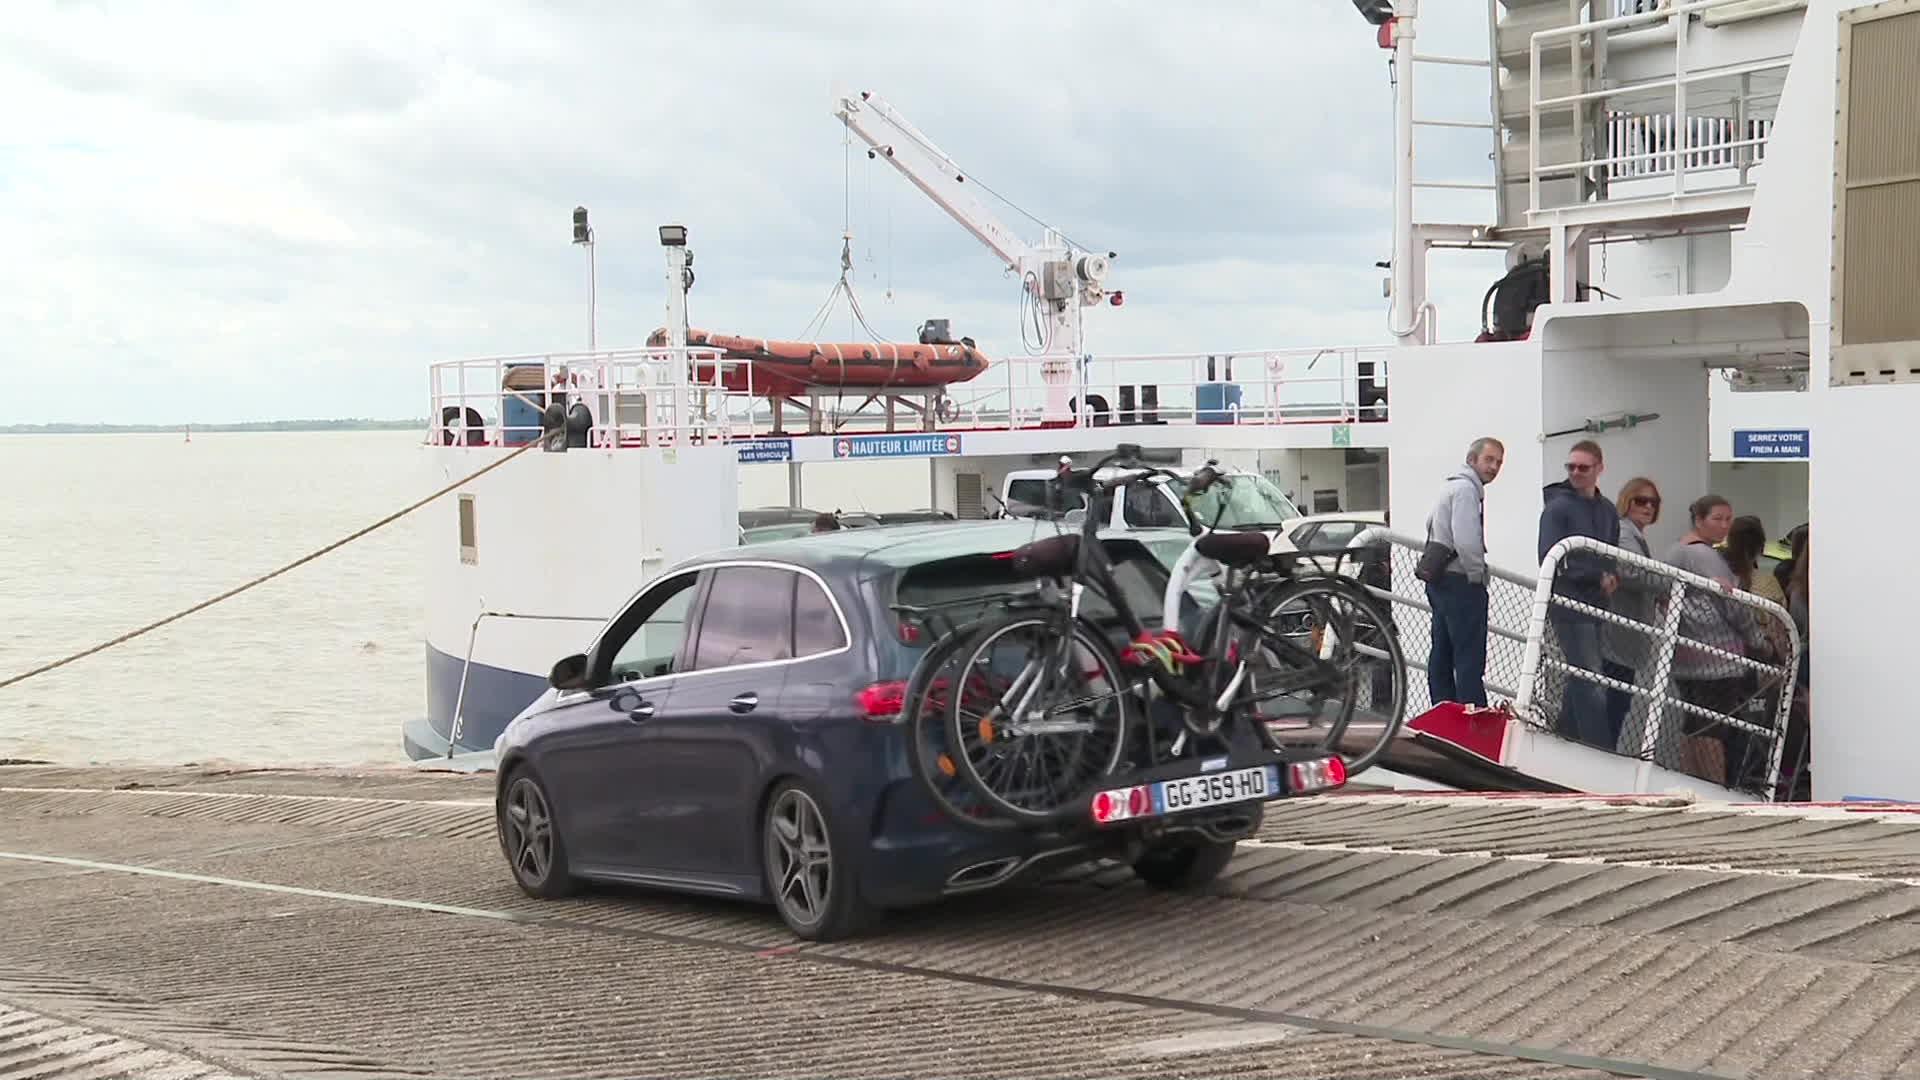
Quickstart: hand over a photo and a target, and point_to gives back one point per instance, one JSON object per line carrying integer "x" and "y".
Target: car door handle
{"x": 630, "y": 702}
{"x": 745, "y": 703}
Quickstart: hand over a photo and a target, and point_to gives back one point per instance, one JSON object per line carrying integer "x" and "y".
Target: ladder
{"x": 1566, "y": 134}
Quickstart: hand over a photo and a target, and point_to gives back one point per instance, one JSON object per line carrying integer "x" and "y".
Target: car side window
{"x": 655, "y": 626}
{"x": 1335, "y": 536}
{"x": 816, "y": 625}
{"x": 747, "y": 618}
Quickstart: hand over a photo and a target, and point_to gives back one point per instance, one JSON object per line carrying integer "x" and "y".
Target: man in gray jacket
{"x": 1456, "y": 666}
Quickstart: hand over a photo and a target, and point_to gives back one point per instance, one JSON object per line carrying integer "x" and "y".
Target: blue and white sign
{"x": 756, "y": 451}
{"x": 883, "y": 446}
{"x": 1769, "y": 443}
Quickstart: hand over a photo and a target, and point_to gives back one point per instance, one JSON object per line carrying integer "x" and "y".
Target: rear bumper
{"x": 915, "y": 854}
{"x": 918, "y": 856}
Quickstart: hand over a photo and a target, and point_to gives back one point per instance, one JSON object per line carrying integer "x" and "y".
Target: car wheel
{"x": 530, "y": 839}
{"x": 1184, "y": 866}
{"x": 810, "y": 879}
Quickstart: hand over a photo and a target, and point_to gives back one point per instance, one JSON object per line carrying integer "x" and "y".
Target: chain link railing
{"x": 1670, "y": 668}
{"x": 1509, "y": 612}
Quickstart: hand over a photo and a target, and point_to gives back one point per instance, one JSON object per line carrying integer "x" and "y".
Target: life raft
{"x": 782, "y": 368}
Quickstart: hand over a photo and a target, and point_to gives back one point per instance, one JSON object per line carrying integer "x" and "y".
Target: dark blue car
{"x": 735, "y": 730}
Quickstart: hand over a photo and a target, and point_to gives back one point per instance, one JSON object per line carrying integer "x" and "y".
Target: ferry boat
{"x": 1748, "y": 165}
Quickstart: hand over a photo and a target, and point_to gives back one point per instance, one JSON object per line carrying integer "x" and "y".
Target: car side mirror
{"x": 570, "y": 673}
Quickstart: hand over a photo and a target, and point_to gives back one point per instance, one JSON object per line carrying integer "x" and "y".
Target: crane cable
{"x": 264, "y": 578}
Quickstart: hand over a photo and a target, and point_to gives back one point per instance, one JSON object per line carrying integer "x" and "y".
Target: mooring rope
{"x": 264, "y": 578}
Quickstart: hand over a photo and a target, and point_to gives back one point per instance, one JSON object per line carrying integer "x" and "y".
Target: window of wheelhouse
{"x": 469, "y": 550}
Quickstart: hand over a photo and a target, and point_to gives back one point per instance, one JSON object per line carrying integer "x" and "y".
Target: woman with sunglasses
{"x": 1626, "y": 649}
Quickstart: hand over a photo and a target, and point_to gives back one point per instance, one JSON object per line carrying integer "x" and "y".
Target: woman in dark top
{"x": 1796, "y": 775}
{"x": 1745, "y": 541}
{"x": 1704, "y": 678}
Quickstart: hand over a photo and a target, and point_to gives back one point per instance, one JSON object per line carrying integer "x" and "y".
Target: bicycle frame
{"x": 1093, "y": 565}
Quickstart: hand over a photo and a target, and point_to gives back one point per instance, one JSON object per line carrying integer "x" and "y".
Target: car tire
{"x": 810, "y": 875}
{"x": 530, "y": 838}
{"x": 1185, "y": 865}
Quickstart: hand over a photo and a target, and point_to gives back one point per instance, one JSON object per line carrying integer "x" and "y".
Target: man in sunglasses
{"x": 1575, "y": 507}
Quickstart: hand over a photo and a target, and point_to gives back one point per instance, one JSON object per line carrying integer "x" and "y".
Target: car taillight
{"x": 883, "y": 702}
{"x": 910, "y": 633}
{"x": 1121, "y": 804}
{"x": 1323, "y": 774}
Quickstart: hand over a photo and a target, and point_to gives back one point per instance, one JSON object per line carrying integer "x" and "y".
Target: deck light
{"x": 673, "y": 236}
{"x": 1377, "y": 12}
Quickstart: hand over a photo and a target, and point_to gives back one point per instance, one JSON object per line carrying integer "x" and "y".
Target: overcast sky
{"x": 218, "y": 212}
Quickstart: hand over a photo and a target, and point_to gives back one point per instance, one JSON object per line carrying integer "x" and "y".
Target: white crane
{"x": 1058, "y": 278}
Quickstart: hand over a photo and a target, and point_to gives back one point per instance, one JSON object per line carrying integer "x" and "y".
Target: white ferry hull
{"x": 566, "y": 537}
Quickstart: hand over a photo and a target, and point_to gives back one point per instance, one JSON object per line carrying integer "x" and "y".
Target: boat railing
{"x": 613, "y": 398}
{"x": 660, "y": 396}
{"x": 1265, "y": 386}
{"x": 1249, "y": 386}
{"x": 1704, "y": 121}
{"x": 1688, "y": 676}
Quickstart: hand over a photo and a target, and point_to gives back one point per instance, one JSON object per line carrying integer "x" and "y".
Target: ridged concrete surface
{"x": 1714, "y": 942}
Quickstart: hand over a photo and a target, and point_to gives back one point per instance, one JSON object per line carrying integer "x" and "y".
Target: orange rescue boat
{"x": 786, "y": 368}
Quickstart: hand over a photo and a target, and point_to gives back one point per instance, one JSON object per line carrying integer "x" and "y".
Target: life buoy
{"x": 450, "y": 434}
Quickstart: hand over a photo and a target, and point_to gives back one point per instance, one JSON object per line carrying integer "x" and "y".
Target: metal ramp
{"x": 1673, "y": 706}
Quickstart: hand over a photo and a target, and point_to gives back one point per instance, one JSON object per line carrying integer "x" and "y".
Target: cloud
{"x": 230, "y": 211}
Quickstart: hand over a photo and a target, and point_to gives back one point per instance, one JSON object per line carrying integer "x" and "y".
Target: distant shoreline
{"x": 255, "y": 425}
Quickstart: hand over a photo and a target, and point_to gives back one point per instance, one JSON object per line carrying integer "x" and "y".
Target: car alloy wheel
{"x": 799, "y": 857}
{"x": 530, "y": 840}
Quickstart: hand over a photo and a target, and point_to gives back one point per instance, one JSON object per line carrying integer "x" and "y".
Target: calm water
{"x": 103, "y": 533}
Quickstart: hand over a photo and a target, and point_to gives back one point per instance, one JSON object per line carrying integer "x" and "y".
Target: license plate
{"x": 1215, "y": 789}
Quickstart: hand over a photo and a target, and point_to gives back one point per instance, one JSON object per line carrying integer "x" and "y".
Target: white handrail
{"x": 459, "y": 722}
{"x": 1669, "y": 639}
{"x": 1685, "y": 153}
{"x": 1518, "y": 617}
{"x": 1656, "y": 15}
{"x": 686, "y": 394}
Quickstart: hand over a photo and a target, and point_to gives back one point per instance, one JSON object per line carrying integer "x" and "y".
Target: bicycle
{"x": 1031, "y": 733}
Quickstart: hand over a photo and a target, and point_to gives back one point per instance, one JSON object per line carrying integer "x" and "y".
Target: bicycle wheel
{"x": 928, "y": 699}
{"x": 1041, "y": 716}
{"x": 1324, "y": 670}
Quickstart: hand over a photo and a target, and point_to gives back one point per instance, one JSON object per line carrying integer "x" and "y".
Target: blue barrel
{"x": 1216, "y": 403}
{"x": 520, "y": 412}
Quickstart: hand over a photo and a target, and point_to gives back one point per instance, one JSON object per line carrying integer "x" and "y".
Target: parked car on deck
{"x": 736, "y": 730}
{"x": 1323, "y": 537}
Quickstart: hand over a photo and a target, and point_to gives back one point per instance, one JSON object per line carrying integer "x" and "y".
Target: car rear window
{"x": 1031, "y": 492}
{"x": 965, "y": 588}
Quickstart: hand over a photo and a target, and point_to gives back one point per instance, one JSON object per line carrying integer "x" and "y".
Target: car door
{"x": 705, "y": 753}
{"x": 585, "y": 746}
